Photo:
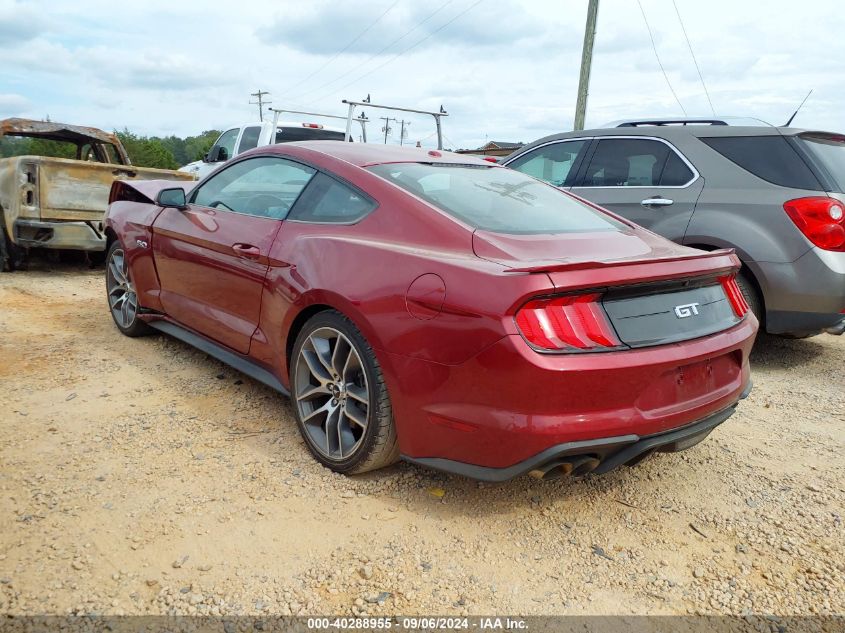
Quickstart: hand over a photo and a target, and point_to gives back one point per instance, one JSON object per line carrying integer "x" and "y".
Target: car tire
{"x": 12, "y": 256}
{"x": 339, "y": 397}
{"x": 752, "y": 297}
{"x": 121, "y": 296}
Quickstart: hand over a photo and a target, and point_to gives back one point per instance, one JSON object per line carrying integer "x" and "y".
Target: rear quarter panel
{"x": 365, "y": 271}
{"x": 739, "y": 210}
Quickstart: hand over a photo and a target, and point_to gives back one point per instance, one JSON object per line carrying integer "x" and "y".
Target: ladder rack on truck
{"x": 353, "y": 104}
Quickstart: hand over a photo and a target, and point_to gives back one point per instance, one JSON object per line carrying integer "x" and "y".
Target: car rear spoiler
{"x": 726, "y": 254}
{"x": 589, "y": 274}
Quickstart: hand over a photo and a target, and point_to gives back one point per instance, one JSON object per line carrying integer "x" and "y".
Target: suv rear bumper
{"x": 806, "y": 296}
{"x": 80, "y": 236}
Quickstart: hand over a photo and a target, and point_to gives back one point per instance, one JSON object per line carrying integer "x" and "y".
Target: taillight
{"x": 313, "y": 126}
{"x": 567, "y": 323}
{"x": 821, "y": 220}
{"x": 735, "y": 296}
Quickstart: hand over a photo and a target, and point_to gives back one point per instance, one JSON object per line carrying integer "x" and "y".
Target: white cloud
{"x": 13, "y": 105}
{"x": 505, "y": 69}
{"x": 20, "y": 23}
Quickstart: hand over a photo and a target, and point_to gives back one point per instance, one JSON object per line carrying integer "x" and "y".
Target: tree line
{"x": 168, "y": 152}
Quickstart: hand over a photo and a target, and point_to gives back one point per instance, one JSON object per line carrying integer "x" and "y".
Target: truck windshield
{"x": 829, "y": 150}
{"x": 290, "y": 134}
{"x": 496, "y": 199}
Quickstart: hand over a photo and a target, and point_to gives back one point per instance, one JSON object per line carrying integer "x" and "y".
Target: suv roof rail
{"x": 679, "y": 121}
{"x": 684, "y": 121}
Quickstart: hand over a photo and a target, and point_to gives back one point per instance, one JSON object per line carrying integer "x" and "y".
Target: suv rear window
{"x": 829, "y": 150}
{"x": 771, "y": 158}
{"x": 496, "y": 199}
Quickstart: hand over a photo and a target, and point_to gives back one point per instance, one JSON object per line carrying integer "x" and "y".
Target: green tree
{"x": 147, "y": 151}
{"x": 176, "y": 146}
{"x": 22, "y": 146}
{"x": 197, "y": 146}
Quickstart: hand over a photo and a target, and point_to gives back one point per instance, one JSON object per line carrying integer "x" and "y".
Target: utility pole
{"x": 403, "y": 123}
{"x": 586, "y": 62}
{"x": 386, "y": 128}
{"x": 260, "y": 103}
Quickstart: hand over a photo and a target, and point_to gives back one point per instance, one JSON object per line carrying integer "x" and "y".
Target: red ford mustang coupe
{"x": 437, "y": 308}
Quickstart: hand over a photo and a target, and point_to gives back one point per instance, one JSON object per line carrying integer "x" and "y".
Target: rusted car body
{"x": 58, "y": 203}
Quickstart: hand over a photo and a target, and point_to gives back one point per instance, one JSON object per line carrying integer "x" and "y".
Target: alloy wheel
{"x": 123, "y": 300}
{"x": 331, "y": 393}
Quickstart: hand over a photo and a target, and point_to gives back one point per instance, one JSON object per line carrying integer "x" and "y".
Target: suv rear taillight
{"x": 820, "y": 219}
{"x": 568, "y": 323}
{"x": 735, "y": 296}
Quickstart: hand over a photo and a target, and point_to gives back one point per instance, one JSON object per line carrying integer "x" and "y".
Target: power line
{"x": 374, "y": 55}
{"x": 342, "y": 50}
{"x": 659, "y": 63}
{"x": 411, "y": 47}
{"x": 694, "y": 60}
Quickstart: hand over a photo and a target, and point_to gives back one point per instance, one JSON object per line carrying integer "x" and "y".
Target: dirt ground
{"x": 139, "y": 476}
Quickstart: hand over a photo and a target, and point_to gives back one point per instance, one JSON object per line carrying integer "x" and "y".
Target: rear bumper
{"x": 509, "y": 403}
{"x": 610, "y": 452}
{"x": 806, "y": 296}
{"x": 80, "y": 236}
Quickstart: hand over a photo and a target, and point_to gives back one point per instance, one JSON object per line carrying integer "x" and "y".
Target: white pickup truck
{"x": 240, "y": 139}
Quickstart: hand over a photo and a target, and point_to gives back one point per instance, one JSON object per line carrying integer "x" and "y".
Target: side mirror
{"x": 174, "y": 197}
{"x": 217, "y": 154}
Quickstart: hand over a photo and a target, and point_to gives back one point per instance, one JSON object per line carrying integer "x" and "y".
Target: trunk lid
{"x": 652, "y": 290}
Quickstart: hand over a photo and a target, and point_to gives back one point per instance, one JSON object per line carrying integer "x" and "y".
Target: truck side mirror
{"x": 217, "y": 154}
{"x": 173, "y": 197}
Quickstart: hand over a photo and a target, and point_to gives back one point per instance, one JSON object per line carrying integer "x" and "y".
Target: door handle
{"x": 246, "y": 251}
{"x": 657, "y": 201}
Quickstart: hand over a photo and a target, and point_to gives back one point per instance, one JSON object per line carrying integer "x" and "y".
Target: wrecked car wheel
{"x": 12, "y": 257}
{"x": 122, "y": 298}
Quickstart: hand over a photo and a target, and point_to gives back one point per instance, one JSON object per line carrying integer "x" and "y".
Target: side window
{"x": 264, "y": 187}
{"x": 327, "y": 200}
{"x": 771, "y": 158}
{"x": 552, "y": 163}
{"x": 111, "y": 153}
{"x": 635, "y": 163}
{"x": 249, "y": 138}
{"x": 675, "y": 173}
{"x": 226, "y": 143}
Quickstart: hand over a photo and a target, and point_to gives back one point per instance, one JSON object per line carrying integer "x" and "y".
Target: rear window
{"x": 496, "y": 199}
{"x": 829, "y": 150}
{"x": 291, "y": 134}
{"x": 771, "y": 158}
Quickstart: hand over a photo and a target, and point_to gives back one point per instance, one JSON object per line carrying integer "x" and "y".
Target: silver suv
{"x": 773, "y": 194}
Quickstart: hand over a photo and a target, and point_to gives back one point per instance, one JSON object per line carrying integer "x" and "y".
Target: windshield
{"x": 829, "y": 150}
{"x": 496, "y": 199}
{"x": 290, "y": 134}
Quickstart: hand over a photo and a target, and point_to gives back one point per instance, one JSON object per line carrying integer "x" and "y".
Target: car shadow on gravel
{"x": 779, "y": 352}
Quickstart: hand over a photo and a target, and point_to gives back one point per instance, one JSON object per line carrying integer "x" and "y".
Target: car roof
{"x": 366, "y": 154}
{"x": 670, "y": 133}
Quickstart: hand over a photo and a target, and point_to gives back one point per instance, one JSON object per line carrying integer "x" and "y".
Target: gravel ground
{"x": 142, "y": 477}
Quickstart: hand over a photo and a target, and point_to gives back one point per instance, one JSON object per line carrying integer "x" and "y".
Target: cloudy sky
{"x": 504, "y": 69}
